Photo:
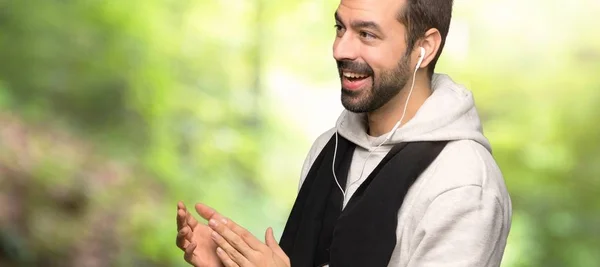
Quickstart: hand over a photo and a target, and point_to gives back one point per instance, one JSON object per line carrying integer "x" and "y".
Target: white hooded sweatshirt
{"x": 458, "y": 212}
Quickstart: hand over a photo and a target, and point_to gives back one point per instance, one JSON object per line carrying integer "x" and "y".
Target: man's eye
{"x": 367, "y": 35}
{"x": 339, "y": 30}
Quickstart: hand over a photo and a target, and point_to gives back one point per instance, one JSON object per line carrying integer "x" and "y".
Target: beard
{"x": 384, "y": 86}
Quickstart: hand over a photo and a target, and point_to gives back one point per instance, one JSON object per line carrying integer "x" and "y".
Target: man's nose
{"x": 344, "y": 48}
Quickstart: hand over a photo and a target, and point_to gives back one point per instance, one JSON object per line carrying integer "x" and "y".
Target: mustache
{"x": 353, "y": 66}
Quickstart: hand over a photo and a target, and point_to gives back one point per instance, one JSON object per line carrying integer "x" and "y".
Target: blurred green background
{"x": 112, "y": 111}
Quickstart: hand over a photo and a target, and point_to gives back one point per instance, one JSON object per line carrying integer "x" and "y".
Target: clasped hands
{"x": 223, "y": 242}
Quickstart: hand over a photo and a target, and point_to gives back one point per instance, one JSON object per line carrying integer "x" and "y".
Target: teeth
{"x": 354, "y": 75}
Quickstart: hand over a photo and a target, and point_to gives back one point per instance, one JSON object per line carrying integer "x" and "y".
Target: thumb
{"x": 270, "y": 239}
{"x": 272, "y": 243}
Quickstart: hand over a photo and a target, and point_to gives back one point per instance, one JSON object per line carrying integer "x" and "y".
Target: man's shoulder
{"x": 464, "y": 171}
{"x": 466, "y": 163}
{"x": 315, "y": 149}
{"x": 320, "y": 142}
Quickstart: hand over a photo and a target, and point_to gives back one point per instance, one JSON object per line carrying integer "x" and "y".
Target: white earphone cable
{"x": 386, "y": 139}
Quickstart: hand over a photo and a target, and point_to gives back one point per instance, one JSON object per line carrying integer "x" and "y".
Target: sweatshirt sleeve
{"x": 462, "y": 227}
{"x": 314, "y": 151}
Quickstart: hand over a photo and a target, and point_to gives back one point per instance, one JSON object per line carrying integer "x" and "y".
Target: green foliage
{"x": 540, "y": 99}
{"x": 112, "y": 111}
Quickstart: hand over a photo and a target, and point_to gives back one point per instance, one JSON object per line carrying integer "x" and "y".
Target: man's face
{"x": 370, "y": 51}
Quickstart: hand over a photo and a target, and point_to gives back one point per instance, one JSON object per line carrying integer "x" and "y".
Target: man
{"x": 405, "y": 178}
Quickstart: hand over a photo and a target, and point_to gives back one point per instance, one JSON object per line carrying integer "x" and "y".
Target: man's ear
{"x": 431, "y": 41}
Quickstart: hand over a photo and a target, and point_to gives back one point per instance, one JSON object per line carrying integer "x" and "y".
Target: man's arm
{"x": 462, "y": 227}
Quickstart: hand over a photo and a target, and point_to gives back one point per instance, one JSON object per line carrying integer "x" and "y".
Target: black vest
{"x": 363, "y": 234}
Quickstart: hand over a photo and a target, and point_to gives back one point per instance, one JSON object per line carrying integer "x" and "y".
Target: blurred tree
{"x": 111, "y": 111}
{"x": 131, "y": 79}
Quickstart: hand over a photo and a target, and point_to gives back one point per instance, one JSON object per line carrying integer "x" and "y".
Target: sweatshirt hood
{"x": 449, "y": 114}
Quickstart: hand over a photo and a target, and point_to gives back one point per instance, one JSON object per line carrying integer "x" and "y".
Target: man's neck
{"x": 382, "y": 120}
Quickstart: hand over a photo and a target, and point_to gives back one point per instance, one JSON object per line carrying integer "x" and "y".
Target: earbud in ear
{"x": 421, "y": 57}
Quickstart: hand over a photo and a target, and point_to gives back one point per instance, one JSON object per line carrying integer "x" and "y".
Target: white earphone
{"x": 421, "y": 56}
{"x": 396, "y": 126}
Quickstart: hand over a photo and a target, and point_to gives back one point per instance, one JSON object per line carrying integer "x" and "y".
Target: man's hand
{"x": 239, "y": 248}
{"x": 194, "y": 238}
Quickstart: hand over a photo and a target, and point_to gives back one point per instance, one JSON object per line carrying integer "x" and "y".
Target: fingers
{"x": 191, "y": 221}
{"x": 189, "y": 235}
{"x": 205, "y": 211}
{"x": 185, "y": 225}
{"x": 182, "y": 226}
{"x": 183, "y": 237}
{"x": 189, "y": 249}
{"x": 209, "y": 213}
{"x": 233, "y": 245}
{"x": 189, "y": 252}
{"x": 246, "y": 236}
{"x": 181, "y": 213}
{"x": 185, "y": 217}
{"x": 225, "y": 259}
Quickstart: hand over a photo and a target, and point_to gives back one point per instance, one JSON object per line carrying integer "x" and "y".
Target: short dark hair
{"x": 422, "y": 15}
